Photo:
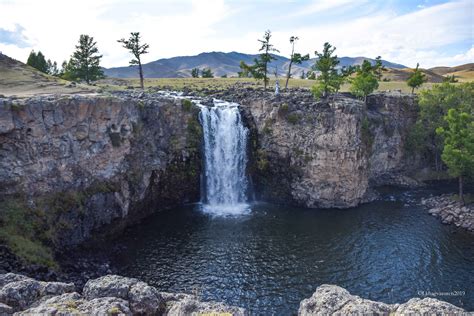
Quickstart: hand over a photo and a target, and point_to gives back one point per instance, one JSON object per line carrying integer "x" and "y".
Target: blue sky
{"x": 432, "y": 32}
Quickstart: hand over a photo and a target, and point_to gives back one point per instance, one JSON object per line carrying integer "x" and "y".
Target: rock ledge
{"x": 450, "y": 211}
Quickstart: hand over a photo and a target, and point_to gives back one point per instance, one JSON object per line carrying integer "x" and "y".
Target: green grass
{"x": 22, "y": 230}
{"x": 197, "y": 84}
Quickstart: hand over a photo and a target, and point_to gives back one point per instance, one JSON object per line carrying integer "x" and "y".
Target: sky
{"x": 431, "y": 32}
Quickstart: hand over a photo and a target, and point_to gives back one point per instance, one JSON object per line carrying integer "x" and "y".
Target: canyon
{"x": 96, "y": 163}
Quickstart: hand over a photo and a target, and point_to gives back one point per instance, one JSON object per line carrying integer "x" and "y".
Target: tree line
{"x": 84, "y": 63}
{"x": 364, "y": 78}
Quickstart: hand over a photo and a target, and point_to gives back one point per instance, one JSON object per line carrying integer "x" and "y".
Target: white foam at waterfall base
{"x": 225, "y": 160}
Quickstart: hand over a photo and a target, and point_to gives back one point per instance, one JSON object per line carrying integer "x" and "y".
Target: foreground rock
{"x": 108, "y": 295}
{"x": 450, "y": 211}
{"x": 332, "y": 299}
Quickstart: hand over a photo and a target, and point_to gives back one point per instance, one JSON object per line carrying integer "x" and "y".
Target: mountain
{"x": 221, "y": 64}
{"x": 462, "y": 72}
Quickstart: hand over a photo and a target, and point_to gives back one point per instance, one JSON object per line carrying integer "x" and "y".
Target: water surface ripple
{"x": 271, "y": 259}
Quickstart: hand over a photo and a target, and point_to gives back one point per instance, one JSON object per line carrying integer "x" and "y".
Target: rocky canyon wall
{"x": 89, "y": 164}
{"x": 328, "y": 153}
{"x": 85, "y": 162}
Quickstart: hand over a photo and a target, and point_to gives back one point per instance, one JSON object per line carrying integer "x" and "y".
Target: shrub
{"x": 293, "y": 118}
{"x": 187, "y": 104}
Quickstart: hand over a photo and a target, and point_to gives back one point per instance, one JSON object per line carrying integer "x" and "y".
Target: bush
{"x": 293, "y": 118}
{"x": 187, "y": 104}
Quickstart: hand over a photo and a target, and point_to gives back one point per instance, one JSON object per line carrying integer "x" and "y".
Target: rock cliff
{"x": 85, "y": 162}
{"x": 328, "y": 153}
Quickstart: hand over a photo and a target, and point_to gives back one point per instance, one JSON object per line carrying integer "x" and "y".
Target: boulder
{"x": 143, "y": 298}
{"x": 428, "y": 306}
{"x": 21, "y": 292}
{"x": 192, "y": 307}
{"x": 332, "y": 299}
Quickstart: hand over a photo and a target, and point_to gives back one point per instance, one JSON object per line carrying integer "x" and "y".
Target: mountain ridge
{"x": 221, "y": 64}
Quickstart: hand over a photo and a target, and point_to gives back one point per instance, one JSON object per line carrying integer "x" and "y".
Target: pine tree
{"x": 416, "y": 79}
{"x": 295, "y": 58}
{"x": 137, "y": 49}
{"x": 85, "y": 61}
{"x": 52, "y": 68}
{"x": 259, "y": 70}
{"x": 329, "y": 79}
{"x": 366, "y": 79}
{"x": 195, "y": 73}
{"x": 207, "y": 73}
{"x": 37, "y": 61}
{"x": 458, "y": 152}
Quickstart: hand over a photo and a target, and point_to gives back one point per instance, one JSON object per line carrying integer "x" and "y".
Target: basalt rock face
{"x": 87, "y": 162}
{"x": 327, "y": 153}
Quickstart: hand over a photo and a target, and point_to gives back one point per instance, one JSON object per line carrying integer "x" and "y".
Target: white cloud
{"x": 186, "y": 27}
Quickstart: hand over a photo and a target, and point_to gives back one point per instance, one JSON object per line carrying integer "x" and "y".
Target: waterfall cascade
{"x": 225, "y": 158}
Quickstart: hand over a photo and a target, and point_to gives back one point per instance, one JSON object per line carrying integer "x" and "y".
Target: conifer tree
{"x": 458, "y": 151}
{"x": 207, "y": 73}
{"x": 329, "y": 79}
{"x": 416, "y": 79}
{"x": 259, "y": 70}
{"x": 295, "y": 58}
{"x": 85, "y": 61}
{"x": 37, "y": 61}
{"x": 137, "y": 49}
{"x": 195, "y": 73}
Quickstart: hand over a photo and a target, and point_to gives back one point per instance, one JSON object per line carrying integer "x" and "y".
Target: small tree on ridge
{"x": 137, "y": 49}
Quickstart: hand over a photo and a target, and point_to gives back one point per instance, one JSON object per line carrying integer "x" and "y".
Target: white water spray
{"x": 225, "y": 159}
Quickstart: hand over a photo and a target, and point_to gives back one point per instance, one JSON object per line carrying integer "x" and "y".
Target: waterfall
{"x": 224, "y": 180}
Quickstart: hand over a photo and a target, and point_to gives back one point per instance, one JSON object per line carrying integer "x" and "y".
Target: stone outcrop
{"x": 450, "y": 211}
{"x": 327, "y": 153}
{"x": 108, "y": 295}
{"x": 334, "y": 300}
{"x": 86, "y": 162}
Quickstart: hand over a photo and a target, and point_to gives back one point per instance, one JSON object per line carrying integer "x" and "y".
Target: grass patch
{"x": 187, "y": 105}
{"x": 293, "y": 118}
{"x": 198, "y": 84}
{"x": 23, "y": 230}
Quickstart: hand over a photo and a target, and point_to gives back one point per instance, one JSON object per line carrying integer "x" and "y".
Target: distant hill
{"x": 394, "y": 74}
{"x": 221, "y": 64}
{"x": 462, "y": 72}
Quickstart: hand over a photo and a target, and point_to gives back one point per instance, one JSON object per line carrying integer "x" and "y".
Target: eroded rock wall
{"x": 89, "y": 161}
{"x": 327, "y": 153}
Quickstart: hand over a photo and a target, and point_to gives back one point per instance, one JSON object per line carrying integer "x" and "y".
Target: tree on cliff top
{"x": 416, "y": 79}
{"x": 458, "y": 151}
{"x": 85, "y": 61}
{"x": 259, "y": 70}
{"x": 329, "y": 79}
{"x": 367, "y": 78}
{"x": 137, "y": 49}
{"x": 295, "y": 58}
